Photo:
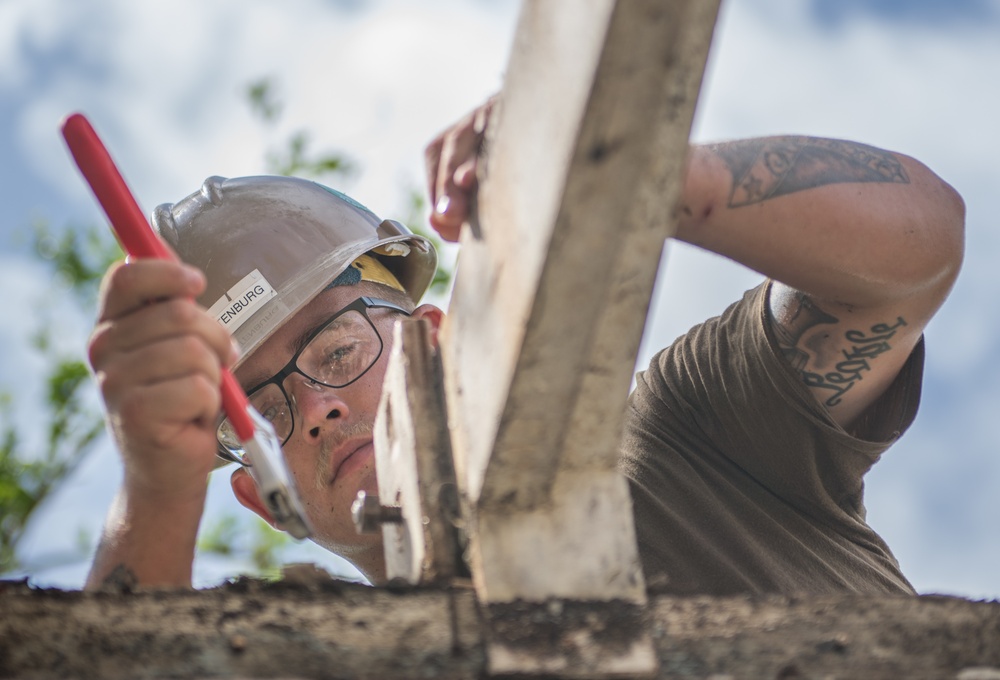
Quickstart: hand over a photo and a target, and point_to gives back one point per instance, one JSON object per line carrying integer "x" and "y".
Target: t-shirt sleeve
{"x": 725, "y": 387}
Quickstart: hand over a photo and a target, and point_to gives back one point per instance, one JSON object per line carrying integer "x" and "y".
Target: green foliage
{"x": 78, "y": 257}
{"x": 252, "y": 537}
{"x": 27, "y": 480}
{"x": 16, "y": 502}
{"x": 266, "y": 548}
{"x": 263, "y": 101}
{"x": 295, "y": 159}
{"x": 294, "y": 156}
{"x": 30, "y": 472}
{"x": 416, "y": 218}
{"x": 220, "y": 538}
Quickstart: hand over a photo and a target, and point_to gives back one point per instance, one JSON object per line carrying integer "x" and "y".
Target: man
{"x": 309, "y": 283}
{"x": 745, "y": 442}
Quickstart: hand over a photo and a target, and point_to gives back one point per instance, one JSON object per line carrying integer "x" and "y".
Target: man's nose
{"x": 319, "y": 407}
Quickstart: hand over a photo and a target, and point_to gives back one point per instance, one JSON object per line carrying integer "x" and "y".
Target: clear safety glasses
{"x": 335, "y": 355}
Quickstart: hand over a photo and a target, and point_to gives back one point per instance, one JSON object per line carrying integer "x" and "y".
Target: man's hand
{"x": 452, "y": 162}
{"x": 157, "y": 357}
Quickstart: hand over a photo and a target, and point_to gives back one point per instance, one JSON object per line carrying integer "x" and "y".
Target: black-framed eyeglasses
{"x": 335, "y": 355}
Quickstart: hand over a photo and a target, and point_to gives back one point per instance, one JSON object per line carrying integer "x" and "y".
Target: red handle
{"x": 136, "y": 236}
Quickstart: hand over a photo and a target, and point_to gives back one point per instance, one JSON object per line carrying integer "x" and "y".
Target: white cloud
{"x": 27, "y": 26}
{"x": 374, "y": 83}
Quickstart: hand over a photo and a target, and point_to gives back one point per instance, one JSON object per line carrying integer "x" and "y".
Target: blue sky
{"x": 929, "y": 12}
{"x": 163, "y": 83}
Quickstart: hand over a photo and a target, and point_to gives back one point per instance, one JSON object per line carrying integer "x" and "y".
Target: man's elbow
{"x": 936, "y": 256}
{"x": 950, "y": 235}
{"x": 921, "y": 255}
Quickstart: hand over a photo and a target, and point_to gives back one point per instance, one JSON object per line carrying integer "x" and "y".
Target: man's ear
{"x": 245, "y": 490}
{"x": 433, "y": 315}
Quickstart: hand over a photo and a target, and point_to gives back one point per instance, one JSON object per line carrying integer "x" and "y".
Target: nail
{"x": 441, "y": 207}
{"x": 193, "y": 275}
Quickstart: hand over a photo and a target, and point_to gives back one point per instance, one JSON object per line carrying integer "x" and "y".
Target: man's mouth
{"x": 349, "y": 456}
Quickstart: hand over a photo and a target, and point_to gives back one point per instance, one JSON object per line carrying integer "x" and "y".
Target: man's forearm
{"x": 147, "y": 544}
{"x": 843, "y": 221}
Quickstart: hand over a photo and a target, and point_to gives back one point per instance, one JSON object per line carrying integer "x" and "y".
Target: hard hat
{"x": 268, "y": 245}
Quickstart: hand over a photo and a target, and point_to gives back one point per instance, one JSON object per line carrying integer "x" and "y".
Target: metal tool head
{"x": 275, "y": 486}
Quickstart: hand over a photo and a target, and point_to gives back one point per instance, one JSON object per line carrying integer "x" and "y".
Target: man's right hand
{"x": 157, "y": 357}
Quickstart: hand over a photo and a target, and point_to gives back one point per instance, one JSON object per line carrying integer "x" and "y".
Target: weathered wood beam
{"x": 320, "y": 629}
{"x": 585, "y": 157}
{"x": 324, "y": 629}
{"x": 414, "y": 463}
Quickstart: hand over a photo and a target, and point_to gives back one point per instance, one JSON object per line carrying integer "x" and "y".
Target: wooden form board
{"x": 414, "y": 464}
{"x": 323, "y": 629}
{"x": 585, "y": 156}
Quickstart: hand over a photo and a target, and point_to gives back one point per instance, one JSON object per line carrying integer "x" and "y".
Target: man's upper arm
{"x": 875, "y": 237}
{"x": 847, "y": 356}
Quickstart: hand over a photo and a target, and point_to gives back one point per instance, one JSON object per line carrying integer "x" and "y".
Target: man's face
{"x": 330, "y": 453}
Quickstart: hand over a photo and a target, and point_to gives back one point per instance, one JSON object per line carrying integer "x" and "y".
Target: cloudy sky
{"x": 164, "y": 83}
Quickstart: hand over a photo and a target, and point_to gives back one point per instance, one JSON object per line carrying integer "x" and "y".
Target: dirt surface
{"x": 246, "y": 629}
{"x": 828, "y": 637}
{"x": 315, "y": 628}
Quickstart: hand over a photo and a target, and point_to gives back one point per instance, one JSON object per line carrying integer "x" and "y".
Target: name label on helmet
{"x": 241, "y": 301}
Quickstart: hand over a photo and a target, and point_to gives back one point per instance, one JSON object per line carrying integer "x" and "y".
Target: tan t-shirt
{"x": 741, "y": 481}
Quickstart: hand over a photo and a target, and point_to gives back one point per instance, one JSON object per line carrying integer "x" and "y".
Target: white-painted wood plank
{"x": 586, "y": 151}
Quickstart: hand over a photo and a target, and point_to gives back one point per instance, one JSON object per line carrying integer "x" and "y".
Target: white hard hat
{"x": 268, "y": 245}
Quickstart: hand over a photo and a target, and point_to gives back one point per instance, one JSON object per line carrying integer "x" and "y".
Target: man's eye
{"x": 271, "y": 412}
{"x": 341, "y": 353}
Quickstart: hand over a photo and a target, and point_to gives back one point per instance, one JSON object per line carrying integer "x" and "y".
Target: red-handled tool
{"x": 139, "y": 240}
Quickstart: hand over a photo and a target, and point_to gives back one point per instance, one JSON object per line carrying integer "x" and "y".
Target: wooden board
{"x": 586, "y": 149}
{"x": 413, "y": 461}
{"x": 335, "y": 630}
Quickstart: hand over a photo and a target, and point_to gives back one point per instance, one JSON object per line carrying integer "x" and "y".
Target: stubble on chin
{"x": 331, "y": 444}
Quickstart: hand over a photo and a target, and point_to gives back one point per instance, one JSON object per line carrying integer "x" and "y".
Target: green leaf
{"x": 267, "y": 546}
{"x": 29, "y": 476}
{"x": 64, "y": 382}
{"x": 79, "y": 256}
{"x": 263, "y": 101}
{"x": 220, "y": 538}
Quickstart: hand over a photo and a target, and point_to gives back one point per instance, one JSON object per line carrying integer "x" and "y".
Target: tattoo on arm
{"x": 796, "y": 319}
{"x": 851, "y": 364}
{"x": 767, "y": 168}
{"x": 121, "y": 579}
{"x": 864, "y": 347}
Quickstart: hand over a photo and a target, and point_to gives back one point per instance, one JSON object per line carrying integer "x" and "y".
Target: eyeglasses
{"x": 335, "y": 355}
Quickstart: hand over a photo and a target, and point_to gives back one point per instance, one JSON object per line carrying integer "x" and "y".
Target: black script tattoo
{"x": 766, "y": 168}
{"x": 795, "y": 319}
{"x": 856, "y": 361}
{"x": 121, "y": 579}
